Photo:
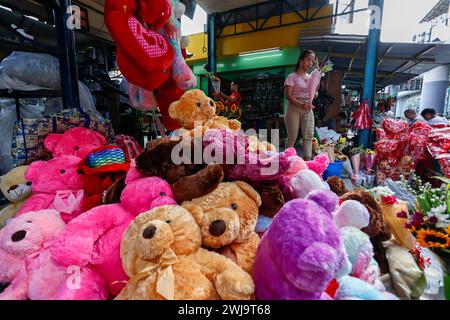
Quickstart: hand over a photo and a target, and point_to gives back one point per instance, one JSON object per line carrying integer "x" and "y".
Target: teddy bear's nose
{"x": 149, "y": 232}
{"x": 13, "y": 187}
{"x": 18, "y": 235}
{"x": 217, "y": 228}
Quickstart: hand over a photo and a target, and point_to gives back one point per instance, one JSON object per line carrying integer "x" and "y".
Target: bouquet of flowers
{"x": 369, "y": 157}
{"x": 314, "y": 81}
{"x": 325, "y": 66}
{"x": 355, "y": 158}
{"x": 430, "y": 224}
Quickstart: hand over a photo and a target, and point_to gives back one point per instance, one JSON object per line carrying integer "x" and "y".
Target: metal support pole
{"x": 373, "y": 41}
{"x": 212, "y": 65}
{"x": 67, "y": 57}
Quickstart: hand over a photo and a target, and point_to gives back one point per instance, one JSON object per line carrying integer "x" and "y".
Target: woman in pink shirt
{"x": 299, "y": 114}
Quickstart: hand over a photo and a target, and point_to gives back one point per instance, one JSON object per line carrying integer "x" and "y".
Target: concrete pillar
{"x": 435, "y": 85}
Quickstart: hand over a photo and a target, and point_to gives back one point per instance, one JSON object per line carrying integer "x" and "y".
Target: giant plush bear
{"x": 26, "y": 263}
{"x": 161, "y": 253}
{"x": 93, "y": 238}
{"x": 76, "y": 142}
{"x": 301, "y": 252}
{"x": 56, "y": 184}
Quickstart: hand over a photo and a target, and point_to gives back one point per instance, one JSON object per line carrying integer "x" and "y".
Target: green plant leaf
{"x": 443, "y": 179}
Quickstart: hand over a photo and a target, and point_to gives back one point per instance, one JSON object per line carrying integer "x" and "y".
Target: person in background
{"x": 341, "y": 123}
{"x": 124, "y": 101}
{"x": 412, "y": 117}
{"x": 430, "y": 116}
{"x": 234, "y": 98}
{"x": 299, "y": 114}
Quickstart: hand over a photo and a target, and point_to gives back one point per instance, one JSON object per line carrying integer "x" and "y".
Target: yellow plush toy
{"x": 16, "y": 189}
{"x": 161, "y": 254}
{"x": 227, "y": 218}
{"x": 196, "y": 111}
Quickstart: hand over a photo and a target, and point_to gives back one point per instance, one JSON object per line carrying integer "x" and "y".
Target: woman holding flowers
{"x": 299, "y": 114}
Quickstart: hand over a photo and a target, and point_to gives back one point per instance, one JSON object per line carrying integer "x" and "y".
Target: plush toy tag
{"x": 68, "y": 201}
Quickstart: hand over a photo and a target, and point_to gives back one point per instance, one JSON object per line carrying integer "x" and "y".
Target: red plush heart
{"x": 147, "y": 79}
{"x": 146, "y": 48}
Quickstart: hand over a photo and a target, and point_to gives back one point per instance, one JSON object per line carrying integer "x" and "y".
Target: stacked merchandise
{"x": 400, "y": 148}
{"x": 439, "y": 147}
{"x": 139, "y": 225}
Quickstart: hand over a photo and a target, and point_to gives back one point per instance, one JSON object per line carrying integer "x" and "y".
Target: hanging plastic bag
{"x": 37, "y": 69}
{"x": 141, "y": 99}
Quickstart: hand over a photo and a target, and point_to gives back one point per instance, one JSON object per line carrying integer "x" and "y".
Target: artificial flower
{"x": 388, "y": 199}
{"x": 448, "y": 229}
{"x": 417, "y": 219}
{"x": 432, "y": 239}
{"x": 402, "y": 214}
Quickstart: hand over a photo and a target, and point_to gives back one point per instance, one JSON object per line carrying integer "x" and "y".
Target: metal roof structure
{"x": 397, "y": 62}
{"x": 212, "y": 6}
{"x": 439, "y": 9}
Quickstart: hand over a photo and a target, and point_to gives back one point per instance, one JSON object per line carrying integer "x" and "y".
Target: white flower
{"x": 443, "y": 218}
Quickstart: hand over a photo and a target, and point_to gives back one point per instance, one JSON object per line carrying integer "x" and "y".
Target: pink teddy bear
{"x": 93, "y": 239}
{"x": 25, "y": 262}
{"x": 297, "y": 164}
{"x": 77, "y": 142}
{"x": 56, "y": 184}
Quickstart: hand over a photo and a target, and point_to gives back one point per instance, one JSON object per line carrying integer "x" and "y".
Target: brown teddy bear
{"x": 16, "y": 189}
{"x": 337, "y": 185}
{"x": 162, "y": 256}
{"x": 188, "y": 180}
{"x": 195, "y": 106}
{"x": 378, "y": 230}
{"x": 227, "y": 218}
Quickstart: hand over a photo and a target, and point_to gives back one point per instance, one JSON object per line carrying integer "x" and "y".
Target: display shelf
{"x": 20, "y": 94}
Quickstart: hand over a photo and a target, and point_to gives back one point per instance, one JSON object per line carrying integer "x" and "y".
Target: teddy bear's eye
{"x": 198, "y": 104}
{"x": 77, "y": 148}
{"x": 168, "y": 221}
{"x": 80, "y": 171}
{"x": 233, "y": 206}
{"x": 29, "y": 221}
{"x": 62, "y": 171}
{"x": 162, "y": 194}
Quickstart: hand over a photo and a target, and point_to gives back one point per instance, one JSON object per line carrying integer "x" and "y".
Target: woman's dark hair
{"x": 428, "y": 111}
{"x": 342, "y": 115}
{"x": 302, "y": 57}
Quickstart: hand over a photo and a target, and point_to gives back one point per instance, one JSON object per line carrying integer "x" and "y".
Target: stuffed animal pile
{"x": 240, "y": 221}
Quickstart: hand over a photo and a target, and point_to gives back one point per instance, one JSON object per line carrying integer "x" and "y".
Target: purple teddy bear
{"x": 302, "y": 251}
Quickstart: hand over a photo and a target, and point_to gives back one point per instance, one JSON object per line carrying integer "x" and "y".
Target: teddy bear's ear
{"x": 100, "y": 137}
{"x": 132, "y": 175}
{"x": 248, "y": 189}
{"x": 195, "y": 210}
{"x": 51, "y": 141}
{"x": 32, "y": 170}
{"x": 199, "y": 184}
{"x": 113, "y": 193}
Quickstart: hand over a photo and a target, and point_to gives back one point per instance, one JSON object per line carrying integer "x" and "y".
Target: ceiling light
{"x": 246, "y": 53}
